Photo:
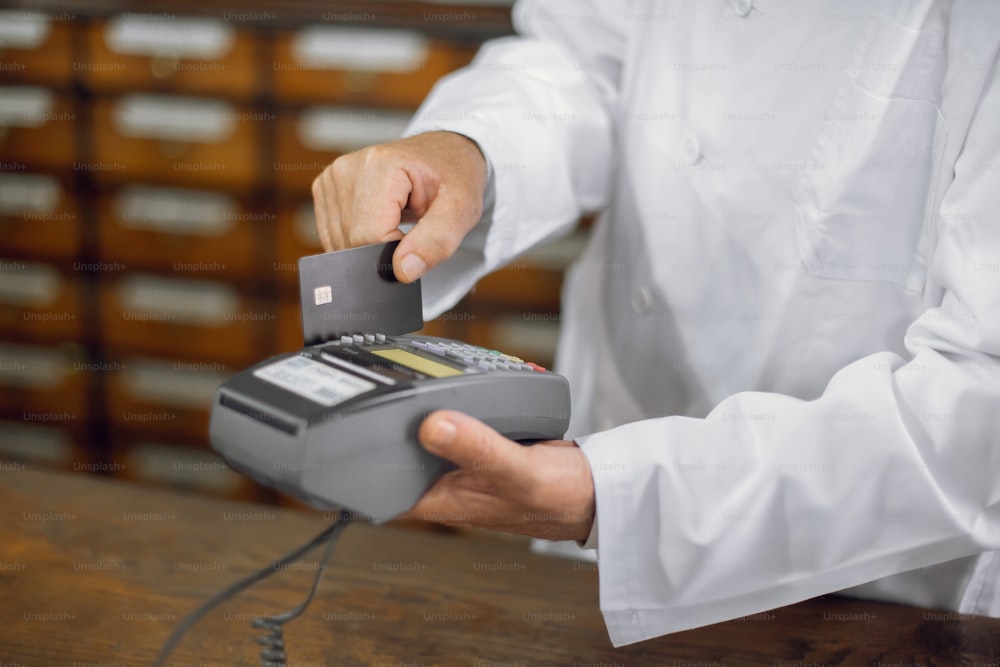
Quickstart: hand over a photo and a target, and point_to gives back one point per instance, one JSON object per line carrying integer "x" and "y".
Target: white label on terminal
{"x": 26, "y": 106}
{"x": 202, "y": 39}
{"x": 329, "y": 128}
{"x": 23, "y": 30}
{"x": 176, "y": 211}
{"x": 26, "y": 194}
{"x": 174, "y": 118}
{"x": 360, "y": 50}
{"x": 314, "y": 380}
{"x": 323, "y": 294}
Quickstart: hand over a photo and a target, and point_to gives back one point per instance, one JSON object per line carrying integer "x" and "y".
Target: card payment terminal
{"x": 335, "y": 424}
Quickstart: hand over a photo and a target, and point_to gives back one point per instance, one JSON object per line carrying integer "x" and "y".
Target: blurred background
{"x": 155, "y": 169}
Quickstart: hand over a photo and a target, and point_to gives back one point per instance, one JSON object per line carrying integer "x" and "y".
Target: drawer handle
{"x": 173, "y": 150}
{"x": 357, "y": 82}
{"x": 164, "y": 65}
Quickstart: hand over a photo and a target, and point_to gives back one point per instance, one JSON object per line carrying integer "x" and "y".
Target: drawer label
{"x": 29, "y": 284}
{"x": 313, "y": 380}
{"x": 176, "y": 211}
{"x": 341, "y": 129}
{"x": 178, "y": 383}
{"x": 360, "y": 50}
{"x": 201, "y": 39}
{"x": 23, "y": 194}
{"x": 40, "y": 368}
{"x": 23, "y": 30}
{"x": 180, "y": 301}
{"x": 39, "y": 444}
{"x": 174, "y": 118}
{"x": 26, "y": 106}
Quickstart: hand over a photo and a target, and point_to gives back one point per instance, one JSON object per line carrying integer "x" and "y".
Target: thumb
{"x": 437, "y": 235}
{"x": 472, "y": 446}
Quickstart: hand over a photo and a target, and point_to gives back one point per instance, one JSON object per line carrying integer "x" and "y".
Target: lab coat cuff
{"x": 610, "y": 462}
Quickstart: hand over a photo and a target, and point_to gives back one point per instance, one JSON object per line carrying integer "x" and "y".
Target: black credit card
{"x": 355, "y": 291}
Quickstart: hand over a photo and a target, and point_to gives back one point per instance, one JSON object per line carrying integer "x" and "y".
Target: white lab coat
{"x": 783, "y": 337}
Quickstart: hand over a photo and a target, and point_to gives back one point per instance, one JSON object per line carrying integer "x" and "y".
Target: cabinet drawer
{"x": 182, "y": 317}
{"x": 173, "y": 54}
{"x": 39, "y": 301}
{"x": 165, "y": 396}
{"x": 309, "y": 140}
{"x": 184, "y": 231}
{"x": 378, "y": 67}
{"x": 149, "y": 458}
{"x": 43, "y": 380}
{"x": 36, "y": 128}
{"x": 35, "y": 48}
{"x": 39, "y": 217}
{"x": 297, "y": 237}
{"x": 175, "y": 140}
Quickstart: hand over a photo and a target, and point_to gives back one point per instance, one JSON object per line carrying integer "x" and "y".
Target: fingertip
{"x": 410, "y": 268}
{"x": 438, "y": 431}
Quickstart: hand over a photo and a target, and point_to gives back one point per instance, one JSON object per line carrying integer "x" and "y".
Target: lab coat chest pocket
{"x": 862, "y": 212}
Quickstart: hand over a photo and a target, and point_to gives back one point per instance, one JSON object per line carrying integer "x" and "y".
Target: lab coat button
{"x": 742, "y": 7}
{"x": 691, "y": 149}
{"x": 642, "y": 300}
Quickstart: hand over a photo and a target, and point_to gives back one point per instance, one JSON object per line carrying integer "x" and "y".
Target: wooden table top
{"x": 98, "y": 572}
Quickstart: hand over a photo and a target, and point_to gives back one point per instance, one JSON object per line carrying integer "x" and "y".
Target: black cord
{"x": 274, "y": 652}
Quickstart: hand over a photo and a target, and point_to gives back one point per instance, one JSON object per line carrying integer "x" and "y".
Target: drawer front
{"x": 37, "y": 128}
{"x": 40, "y": 302}
{"x": 173, "y": 54}
{"x": 296, "y": 237}
{"x": 35, "y": 47}
{"x": 163, "y": 396}
{"x": 39, "y": 217}
{"x": 187, "y": 232}
{"x": 177, "y": 463}
{"x": 175, "y": 140}
{"x": 187, "y": 318}
{"x": 384, "y": 68}
{"x": 43, "y": 380}
{"x": 309, "y": 140}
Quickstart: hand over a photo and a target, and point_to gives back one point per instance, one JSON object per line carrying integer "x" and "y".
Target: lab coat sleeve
{"x": 770, "y": 500}
{"x": 539, "y": 106}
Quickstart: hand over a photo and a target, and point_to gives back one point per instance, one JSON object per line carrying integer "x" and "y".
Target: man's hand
{"x": 437, "y": 178}
{"x": 543, "y": 490}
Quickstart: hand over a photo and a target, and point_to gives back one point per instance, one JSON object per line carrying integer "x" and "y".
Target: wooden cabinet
{"x": 155, "y": 173}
